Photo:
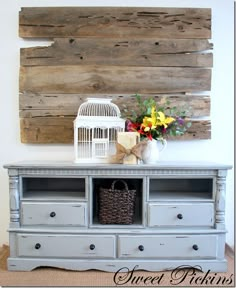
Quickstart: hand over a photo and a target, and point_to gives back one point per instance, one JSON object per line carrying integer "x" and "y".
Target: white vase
{"x": 153, "y": 150}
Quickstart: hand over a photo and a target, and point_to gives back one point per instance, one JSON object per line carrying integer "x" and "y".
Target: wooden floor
{"x": 56, "y": 277}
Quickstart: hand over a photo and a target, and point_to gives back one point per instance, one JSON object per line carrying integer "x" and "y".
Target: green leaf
{"x": 168, "y": 102}
{"x": 149, "y": 110}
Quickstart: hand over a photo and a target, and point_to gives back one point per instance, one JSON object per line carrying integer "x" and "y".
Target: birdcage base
{"x": 91, "y": 160}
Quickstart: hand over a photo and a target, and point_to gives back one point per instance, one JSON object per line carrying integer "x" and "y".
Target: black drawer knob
{"x": 195, "y": 247}
{"x": 92, "y": 247}
{"x": 140, "y": 247}
{"x": 52, "y": 214}
{"x": 180, "y": 216}
{"x": 37, "y": 246}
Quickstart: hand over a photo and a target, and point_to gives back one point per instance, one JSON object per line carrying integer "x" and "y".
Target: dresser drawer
{"x": 181, "y": 214}
{"x": 51, "y": 213}
{"x": 66, "y": 246}
{"x": 182, "y": 246}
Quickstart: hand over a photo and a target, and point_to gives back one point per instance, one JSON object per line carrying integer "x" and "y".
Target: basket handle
{"x": 119, "y": 180}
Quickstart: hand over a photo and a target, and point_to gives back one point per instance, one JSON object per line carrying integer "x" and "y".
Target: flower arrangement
{"x": 157, "y": 122}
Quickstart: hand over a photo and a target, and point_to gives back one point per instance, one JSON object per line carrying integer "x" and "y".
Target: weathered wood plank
{"x": 115, "y": 22}
{"x": 60, "y": 130}
{"x": 107, "y": 79}
{"x": 41, "y": 105}
{"x": 200, "y": 129}
{"x": 151, "y": 60}
{"x": 116, "y": 51}
{"x": 45, "y": 130}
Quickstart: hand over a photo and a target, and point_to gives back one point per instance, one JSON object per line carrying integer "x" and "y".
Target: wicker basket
{"x": 116, "y": 206}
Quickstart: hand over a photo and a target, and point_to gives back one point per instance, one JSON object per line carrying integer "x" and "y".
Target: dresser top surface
{"x": 71, "y": 165}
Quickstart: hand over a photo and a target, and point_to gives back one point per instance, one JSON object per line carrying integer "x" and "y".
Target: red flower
{"x": 149, "y": 136}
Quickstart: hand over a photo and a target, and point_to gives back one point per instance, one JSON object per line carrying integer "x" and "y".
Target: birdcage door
{"x": 100, "y": 143}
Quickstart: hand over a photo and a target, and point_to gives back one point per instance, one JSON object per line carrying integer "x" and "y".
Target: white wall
{"x": 219, "y": 149}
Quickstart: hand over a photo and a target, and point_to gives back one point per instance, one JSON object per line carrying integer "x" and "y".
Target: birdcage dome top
{"x": 99, "y": 107}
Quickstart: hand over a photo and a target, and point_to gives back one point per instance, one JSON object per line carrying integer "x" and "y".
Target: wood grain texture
{"x": 200, "y": 129}
{"x": 125, "y": 52}
{"x": 42, "y": 105}
{"x": 112, "y": 52}
{"x": 115, "y": 21}
{"x": 60, "y": 130}
{"x": 44, "y": 130}
{"x": 118, "y": 79}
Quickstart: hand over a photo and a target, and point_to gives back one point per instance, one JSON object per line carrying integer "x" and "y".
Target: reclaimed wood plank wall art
{"x": 112, "y": 52}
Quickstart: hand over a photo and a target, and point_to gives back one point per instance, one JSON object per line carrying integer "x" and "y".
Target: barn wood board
{"x": 115, "y": 21}
{"x": 125, "y": 52}
{"x": 60, "y": 130}
{"x": 115, "y": 79}
{"x": 41, "y": 105}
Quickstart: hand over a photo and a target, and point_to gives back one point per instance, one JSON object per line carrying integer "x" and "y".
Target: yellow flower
{"x": 150, "y": 123}
{"x": 162, "y": 120}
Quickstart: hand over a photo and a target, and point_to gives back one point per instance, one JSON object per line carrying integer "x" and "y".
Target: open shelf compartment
{"x": 183, "y": 189}
{"x": 53, "y": 188}
{"x": 134, "y": 184}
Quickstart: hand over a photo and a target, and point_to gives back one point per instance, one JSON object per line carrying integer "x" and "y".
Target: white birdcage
{"x": 95, "y": 130}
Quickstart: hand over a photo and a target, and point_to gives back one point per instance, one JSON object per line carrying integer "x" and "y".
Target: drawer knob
{"x": 37, "y": 246}
{"x": 195, "y": 247}
{"x": 52, "y": 214}
{"x": 140, "y": 247}
{"x": 180, "y": 216}
{"x": 92, "y": 247}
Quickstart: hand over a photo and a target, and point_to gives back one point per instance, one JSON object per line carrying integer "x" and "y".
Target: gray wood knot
{"x": 180, "y": 27}
{"x": 105, "y": 21}
{"x": 97, "y": 86}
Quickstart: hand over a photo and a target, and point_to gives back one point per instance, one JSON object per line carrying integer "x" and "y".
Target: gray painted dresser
{"x": 179, "y": 216}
